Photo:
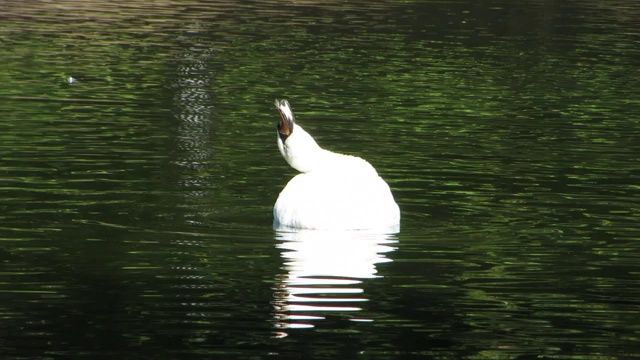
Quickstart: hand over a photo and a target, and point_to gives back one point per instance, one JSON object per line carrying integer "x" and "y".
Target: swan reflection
{"x": 324, "y": 274}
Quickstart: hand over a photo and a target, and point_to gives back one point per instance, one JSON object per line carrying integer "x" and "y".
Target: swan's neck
{"x": 302, "y": 152}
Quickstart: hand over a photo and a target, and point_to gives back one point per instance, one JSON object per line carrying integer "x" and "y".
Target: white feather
{"x": 333, "y": 191}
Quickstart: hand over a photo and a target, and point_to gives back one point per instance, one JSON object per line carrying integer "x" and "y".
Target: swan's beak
{"x": 285, "y": 126}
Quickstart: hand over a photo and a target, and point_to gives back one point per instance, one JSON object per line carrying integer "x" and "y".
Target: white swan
{"x": 333, "y": 191}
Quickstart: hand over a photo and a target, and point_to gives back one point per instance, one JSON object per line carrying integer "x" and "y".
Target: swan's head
{"x": 296, "y": 145}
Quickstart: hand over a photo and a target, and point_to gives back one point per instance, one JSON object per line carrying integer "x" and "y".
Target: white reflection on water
{"x": 324, "y": 274}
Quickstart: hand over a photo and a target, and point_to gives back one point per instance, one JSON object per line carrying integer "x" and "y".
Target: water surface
{"x": 138, "y": 171}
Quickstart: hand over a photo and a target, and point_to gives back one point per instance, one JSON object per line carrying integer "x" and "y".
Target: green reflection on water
{"x": 138, "y": 198}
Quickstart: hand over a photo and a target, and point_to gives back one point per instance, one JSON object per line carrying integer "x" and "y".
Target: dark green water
{"x": 135, "y": 212}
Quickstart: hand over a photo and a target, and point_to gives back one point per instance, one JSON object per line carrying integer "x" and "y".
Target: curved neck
{"x": 303, "y": 154}
{"x": 301, "y": 151}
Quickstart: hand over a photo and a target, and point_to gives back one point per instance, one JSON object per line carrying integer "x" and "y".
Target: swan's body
{"x": 333, "y": 191}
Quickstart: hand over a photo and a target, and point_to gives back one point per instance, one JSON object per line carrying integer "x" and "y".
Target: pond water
{"x": 139, "y": 168}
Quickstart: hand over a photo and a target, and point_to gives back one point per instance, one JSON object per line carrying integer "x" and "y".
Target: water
{"x": 135, "y": 219}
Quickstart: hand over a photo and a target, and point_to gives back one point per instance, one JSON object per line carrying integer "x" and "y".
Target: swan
{"x": 333, "y": 191}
